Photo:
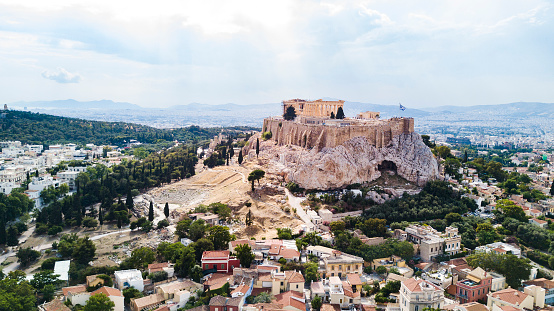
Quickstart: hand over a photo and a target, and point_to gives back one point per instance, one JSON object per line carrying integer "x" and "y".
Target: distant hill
{"x": 519, "y": 109}
{"x": 74, "y": 104}
{"x": 37, "y": 128}
{"x": 387, "y": 111}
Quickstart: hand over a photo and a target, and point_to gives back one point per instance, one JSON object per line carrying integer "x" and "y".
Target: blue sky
{"x": 163, "y": 53}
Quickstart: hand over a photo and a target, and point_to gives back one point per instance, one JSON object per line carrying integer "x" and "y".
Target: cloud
{"x": 61, "y": 75}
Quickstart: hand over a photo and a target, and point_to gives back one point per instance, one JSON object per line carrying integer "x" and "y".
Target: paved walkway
{"x": 294, "y": 202}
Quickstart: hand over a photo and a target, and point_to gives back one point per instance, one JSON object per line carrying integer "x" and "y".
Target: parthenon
{"x": 316, "y": 108}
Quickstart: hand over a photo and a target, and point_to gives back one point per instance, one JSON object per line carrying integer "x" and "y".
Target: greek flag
{"x": 402, "y": 107}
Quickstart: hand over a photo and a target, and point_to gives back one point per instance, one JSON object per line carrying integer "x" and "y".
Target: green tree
{"x": 99, "y": 302}
{"x": 84, "y": 250}
{"x": 284, "y": 233}
{"x": 197, "y": 229}
{"x": 90, "y": 222}
{"x": 381, "y": 270}
{"x": 311, "y": 273}
{"x": 43, "y": 278}
{"x": 142, "y": 257}
{"x": 11, "y": 239}
{"x": 332, "y": 116}
{"x": 245, "y": 255}
{"x": 486, "y": 233}
{"x": 202, "y": 245}
{"x": 130, "y": 293}
{"x": 290, "y": 113}
{"x": 182, "y": 228}
{"x": 196, "y": 273}
{"x": 2, "y": 229}
{"x": 337, "y": 226}
{"x": 162, "y": 224}
{"x": 257, "y": 147}
{"x": 16, "y": 294}
{"x": 27, "y": 255}
{"x": 240, "y": 157}
{"x": 48, "y": 292}
{"x": 166, "y": 210}
{"x": 129, "y": 203}
{"x": 513, "y": 268}
{"x": 220, "y": 236}
{"x": 511, "y": 210}
{"x": 256, "y": 175}
{"x": 316, "y": 303}
{"x": 263, "y": 297}
{"x": 443, "y": 152}
{"x": 340, "y": 113}
{"x": 151, "y": 211}
{"x": 552, "y": 188}
{"x": 186, "y": 261}
{"x": 248, "y": 219}
{"x": 453, "y": 217}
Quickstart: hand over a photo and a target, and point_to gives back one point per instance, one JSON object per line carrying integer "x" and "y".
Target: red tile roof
{"x": 215, "y": 254}
{"x": 354, "y": 279}
{"x": 291, "y": 298}
{"x": 74, "y": 289}
{"x": 510, "y": 295}
{"x": 108, "y": 291}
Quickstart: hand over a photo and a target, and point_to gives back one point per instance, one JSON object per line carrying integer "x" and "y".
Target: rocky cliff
{"x": 355, "y": 161}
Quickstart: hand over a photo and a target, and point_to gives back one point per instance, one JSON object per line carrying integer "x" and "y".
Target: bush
{"x": 163, "y": 223}
{"x": 54, "y": 230}
{"x": 49, "y": 263}
{"x": 158, "y": 276}
{"x": 267, "y": 135}
{"x": 21, "y": 227}
{"x": 90, "y": 222}
{"x": 41, "y": 228}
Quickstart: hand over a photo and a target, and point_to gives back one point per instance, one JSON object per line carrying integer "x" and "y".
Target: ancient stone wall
{"x": 379, "y": 133}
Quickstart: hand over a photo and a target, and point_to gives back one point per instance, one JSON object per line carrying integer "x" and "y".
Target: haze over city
{"x": 165, "y": 53}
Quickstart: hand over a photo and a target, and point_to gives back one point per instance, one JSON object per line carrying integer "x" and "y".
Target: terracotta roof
{"x": 91, "y": 278}
{"x": 348, "y": 290}
{"x": 200, "y": 308}
{"x": 475, "y": 306}
{"x": 149, "y": 300}
{"x": 542, "y": 282}
{"x": 541, "y": 222}
{"x": 509, "y": 308}
{"x": 266, "y": 269}
{"x": 153, "y": 267}
{"x": 354, "y": 279}
{"x": 74, "y": 289}
{"x": 108, "y": 291}
{"x": 272, "y": 306}
{"x": 55, "y": 305}
{"x": 458, "y": 261}
{"x": 218, "y": 301}
{"x": 369, "y": 307}
{"x": 479, "y": 273}
{"x": 162, "y": 308}
{"x": 288, "y": 253}
{"x": 499, "y": 250}
{"x": 241, "y": 289}
{"x": 414, "y": 285}
{"x": 292, "y": 298}
{"x": 215, "y": 254}
{"x": 234, "y": 302}
{"x": 294, "y": 277}
{"x": 510, "y": 295}
{"x": 274, "y": 249}
{"x": 329, "y": 307}
{"x": 257, "y": 291}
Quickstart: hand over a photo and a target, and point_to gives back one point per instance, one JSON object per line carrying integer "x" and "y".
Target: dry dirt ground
{"x": 226, "y": 184}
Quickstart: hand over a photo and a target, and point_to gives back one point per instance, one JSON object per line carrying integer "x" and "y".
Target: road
{"x": 294, "y": 202}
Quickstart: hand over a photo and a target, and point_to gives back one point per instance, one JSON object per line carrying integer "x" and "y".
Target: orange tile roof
{"x": 55, "y": 305}
{"x": 157, "y": 266}
{"x": 288, "y": 253}
{"x": 542, "y": 282}
{"x": 348, "y": 290}
{"x": 108, "y": 291}
{"x": 291, "y": 298}
{"x": 215, "y": 254}
{"x": 148, "y": 301}
{"x": 74, "y": 289}
{"x": 241, "y": 289}
{"x": 294, "y": 277}
{"x": 510, "y": 295}
{"x": 415, "y": 285}
{"x": 354, "y": 279}
{"x": 330, "y": 307}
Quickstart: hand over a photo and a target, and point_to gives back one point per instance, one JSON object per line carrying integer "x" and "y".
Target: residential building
{"x": 114, "y": 295}
{"x": 471, "y": 306}
{"x": 7, "y": 187}
{"x": 277, "y": 282}
{"x": 219, "y": 261}
{"x": 475, "y": 287}
{"x": 431, "y": 242}
{"x": 61, "y": 268}
{"x": 163, "y": 266}
{"x": 547, "y": 285}
{"x": 219, "y": 303}
{"x": 393, "y": 261}
{"x": 54, "y": 305}
{"x": 500, "y": 248}
{"x": 78, "y": 295}
{"x": 538, "y": 222}
{"x": 509, "y": 297}
{"x": 417, "y": 294}
{"x": 291, "y": 300}
{"x": 340, "y": 264}
{"x": 129, "y": 278}
{"x": 147, "y": 302}
{"x": 337, "y": 292}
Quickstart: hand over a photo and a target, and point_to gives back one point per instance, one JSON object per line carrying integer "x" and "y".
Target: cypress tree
{"x": 166, "y": 210}
{"x": 332, "y": 115}
{"x": 11, "y": 239}
{"x": 552, "y": 188}
{"x": 240, "y": 157}
{"x": 257, "y": 147}
{"x": 2, "y": 232}
{"x": 340, "y": 113}
{"x": 465, "y": 156}
{"x": 151, "y": 212}
{"x": 129, "y": 202}
{"x": 101, "y": 216}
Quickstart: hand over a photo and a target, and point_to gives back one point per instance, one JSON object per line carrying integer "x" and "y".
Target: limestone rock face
{"x": 355, "y": 161}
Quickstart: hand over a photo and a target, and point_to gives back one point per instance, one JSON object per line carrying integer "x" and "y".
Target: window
{"x": 416, "y": 308}
{"x": 340, "y": 267}
{"x": 340, "y": 300}
{"x": 216, "y": 309}
{"x": 281, "y": 283}
{"x": 222, "y": 266}
{"x": 356, "y": 267}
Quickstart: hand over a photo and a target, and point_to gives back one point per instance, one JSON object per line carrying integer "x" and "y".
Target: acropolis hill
{"x": 318, "y": 151}
{"x": 313, "y": 126}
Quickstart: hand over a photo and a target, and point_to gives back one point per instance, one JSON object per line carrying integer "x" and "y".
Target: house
{"x": 431, "y": 242}
{"x": 547, "y": 285}
{"x": 219, "y": 303}
{"x": 500, "y": 248}
{"x": 94, "y": 280}
{"x": 219, "y": 261}
{"x": 417, "y": 294}
{"x": 291, "y": 300}
{"x": 114, "y": 294}
{"x": 509, "y": 297}
{"x": 538, "y": 222}
{"x": 78, "y": 295}
{"x": 393, "y": 261}
{"x": 61, "y": 268}
{"x": 340, "y": 264}
{"x": 337, "y": 292}
{"x": 147, "y": 302}
{"x": 129, "y": 278}
{"x": 163, "y": 266}
{"x": 177, "y": 294}
{"x": 475, "y": 287}
{"x": 54, "y": 305}
{"x": 471, "y": 306}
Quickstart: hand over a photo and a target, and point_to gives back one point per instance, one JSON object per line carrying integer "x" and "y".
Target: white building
{"x": 417, "y": 294}
{"x": 500, "y": 248}
{"x": 7, "y": 187}
{"x": 41, "y": 183}
{"x": 62, "y": 269}
{"x": 129, "y": 278}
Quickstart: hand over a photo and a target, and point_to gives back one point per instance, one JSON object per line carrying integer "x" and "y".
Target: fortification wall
{"x": 379, "y": 133}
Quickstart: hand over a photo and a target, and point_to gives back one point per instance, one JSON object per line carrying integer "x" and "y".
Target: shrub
{"x": 158, "y": 276}
{"x": 54, "y": 230}
{"x": 267, "y": 135}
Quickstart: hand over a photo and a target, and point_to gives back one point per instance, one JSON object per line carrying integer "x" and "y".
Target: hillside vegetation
{"x": 35, "y": 128}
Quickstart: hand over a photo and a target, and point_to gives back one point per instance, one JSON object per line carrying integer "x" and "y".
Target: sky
{"x": 171, "y": 52}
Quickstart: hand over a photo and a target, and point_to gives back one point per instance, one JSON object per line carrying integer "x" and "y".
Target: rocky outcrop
{"x": 355, "y": 161}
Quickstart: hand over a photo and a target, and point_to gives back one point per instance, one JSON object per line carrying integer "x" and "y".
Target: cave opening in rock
{"x": 387, "y": 166}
